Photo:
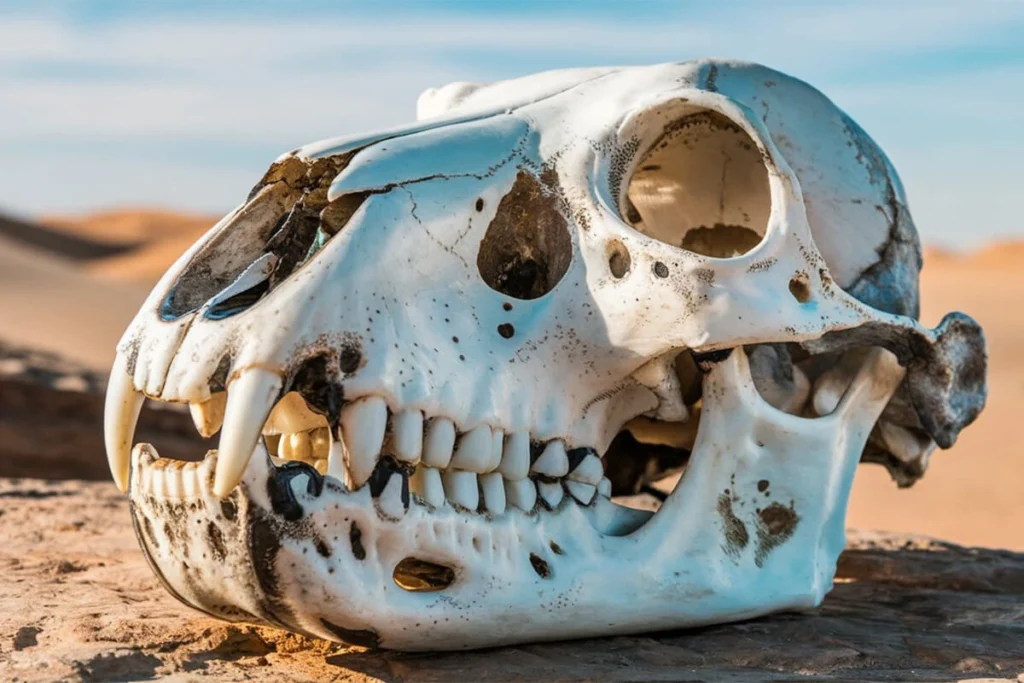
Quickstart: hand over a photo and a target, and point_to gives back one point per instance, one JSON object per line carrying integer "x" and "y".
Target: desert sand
{"x": 78, "y": 307}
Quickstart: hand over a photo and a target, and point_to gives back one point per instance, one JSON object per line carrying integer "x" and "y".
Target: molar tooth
{"x": 120, "y": 415}
{"x": 473, "y": 451}
{"x": 320, "y": 441}
{"x": 296, "y": 447}
{"x": 589, "y": 471}
{"x": 584, "y": 493}
{"x": 393, "y": 501}
{"x": 208, "y": 416}
{"x": 426, "y": 483}
{"x": 605, "y": 487}
{"x": 321, "y": 466}
{"x": 363, "y": 424}
{"x": 292, "y": 415}
{"x": 522, "y": 493}
{"x": 438, "y": 443}
{"x": 460, "y": 487}
{"x": 553, "y": 462}
{"x": 492, "y": 488}
{"x": 251, "y": 396}
{"x": 407, "y": 436}
{"x": 515, "y": 459}
{"x": 550, "y": 492}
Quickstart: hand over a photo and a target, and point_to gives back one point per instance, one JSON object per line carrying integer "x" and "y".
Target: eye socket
{"x": 701, "y": 186}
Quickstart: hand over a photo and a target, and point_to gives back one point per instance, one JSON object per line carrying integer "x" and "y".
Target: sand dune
{"x": 971, "y": 494}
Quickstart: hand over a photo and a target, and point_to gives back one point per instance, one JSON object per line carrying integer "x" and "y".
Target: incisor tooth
{"x": 120, "y": 415}
{"x": 363, "y": 423}
{"x": 473, "y": 452}
{"x": 407, "y": 435}
{"x": 426, "y": 483}
{"x": 438, "y": 443}
{"x": 208, "y": 416}
{"x": 493, "y": 489}
{"x": 515, "y": 458}
{"x": 251, "y": 396}
{"x": 461, "y": 488}
{"x": 522, "y": 493}
{"x": 553, "y": 462}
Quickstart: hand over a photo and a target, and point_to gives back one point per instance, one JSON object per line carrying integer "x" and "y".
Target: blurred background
{"x": 127, "y": 128}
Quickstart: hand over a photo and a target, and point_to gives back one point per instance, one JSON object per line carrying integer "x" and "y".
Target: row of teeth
{"x": 480, "y": 469}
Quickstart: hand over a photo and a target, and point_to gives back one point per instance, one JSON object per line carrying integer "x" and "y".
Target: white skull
{"x": 473, "y": 307}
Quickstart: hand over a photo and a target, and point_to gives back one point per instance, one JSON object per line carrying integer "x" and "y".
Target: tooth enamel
{"x": 321, "y": 466}
{"x": 297, "y": 447}
{"x": 473, "y": 452}
{"x": 336, "y": 460}
{"x": 120, "y": 415}
{"x": 605, "y": 487}
{"x": 522, "y": 493}
{"x": 291, "y": 415}
{"x": 407, "y": 436}
{"x": 515, "y": 459}
{"x": 273, "y": 443}
{"x": 320, "y": 441}
{"x": 390, "y": 499}
{"x": 553, "y": 462}
{"x": 492, "y": 488}
{"x": 426, "y": 483}
{"x": 460, "y": 488}
{"x": 550, "y": 492}
{"x": 438, "y": 443}
{"x": 589, "y": 471}
{"x": 190, "y": 480}
{"x": 208, "y": 416}
{"x": 497, "y": 445}
{"x": 584, "y": 493}
{"x": 172, "y": 480}
{"x": 363, "y": 424}
{"x": 251, "y": 397}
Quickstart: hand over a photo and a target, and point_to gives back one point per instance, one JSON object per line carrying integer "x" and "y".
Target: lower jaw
{"x": 755, "y": 525}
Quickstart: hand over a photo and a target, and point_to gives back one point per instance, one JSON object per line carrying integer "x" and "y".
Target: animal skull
{"x": 417, "y": 344}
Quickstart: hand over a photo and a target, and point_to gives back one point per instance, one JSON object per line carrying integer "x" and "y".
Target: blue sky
{"x": 183, "y": 104}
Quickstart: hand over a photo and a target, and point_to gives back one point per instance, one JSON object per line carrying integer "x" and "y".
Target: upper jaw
{"x": 310, "y": 555}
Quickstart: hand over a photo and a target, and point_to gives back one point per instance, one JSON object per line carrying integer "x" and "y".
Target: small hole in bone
{"x": 702, "y": 186}
{"x": 660, "y": 269}
{"x": 506, "y": 330}
{"x": 527, "y": 248}
{"x": 618, "y": 259}
{"x": 479, "y": 204}
{"x": 800, "y": 290}
{"x": 421, "y": 576}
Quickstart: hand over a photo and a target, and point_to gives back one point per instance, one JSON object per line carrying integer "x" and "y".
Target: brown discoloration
{"x": 540, "y": 566}
{"x": 355, "y": 537}
{"x": 775, "y": 525}
{"x": 736, "y": 535}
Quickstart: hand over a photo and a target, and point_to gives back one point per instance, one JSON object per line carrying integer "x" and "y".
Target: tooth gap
{"x": 421, "y": 576}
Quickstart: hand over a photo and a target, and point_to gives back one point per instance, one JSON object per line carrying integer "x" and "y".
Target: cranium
{"x": 418, "y": 345}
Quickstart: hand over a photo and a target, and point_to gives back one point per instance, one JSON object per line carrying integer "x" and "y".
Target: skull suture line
{"x": 437, "y": 330}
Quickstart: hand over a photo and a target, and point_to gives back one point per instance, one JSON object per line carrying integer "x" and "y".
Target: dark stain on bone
{"x": 506, "y": 306}
{"x": 775, "y": 525}
{"x": 762, "y": 485}
{"x": 359, "y": 637}
{"x": 506, "y": 330}
{"x": 279, "y": 488}
{"x": 556, "y": 549}
{"x": 350, "y": 358}
{"x": 228, "y": 509}
{"x": 321, "y": 546}
{"x": 216, "y": 539}
{"x": 355, "y": 537}
{"x": 312, "y": 380}
{"x": 660, "y": 269}
{"x": 705, "y": 361}
{"x": 736, "y": 535}
{"x": 527, "y": 248}
{"x": 540, "y": 566}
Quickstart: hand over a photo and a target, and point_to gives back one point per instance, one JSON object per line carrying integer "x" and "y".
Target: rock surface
{"x": 80, "y": 603}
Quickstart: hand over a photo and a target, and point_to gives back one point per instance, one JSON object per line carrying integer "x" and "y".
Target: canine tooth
{"x": 553, "y": 462}
{"x": 426, "y": 483}
{"x": 605, "y": 487}
{"x": 320, "y": 441}
{"x": 390, "y": 500}
{"x": 407, "y": 435}
{"x": 363, "y": 424}
{"x": 460, "y": 487}
{"x": 438, "y": 443}
{"x": 291, "y": 415}
{"x": 584, "y": 493}
{"x": 251, "y": 397}
{"x": 473, "y": 452}
{"x": 515, "y": 458}
{"x": 208, "y": 416}
{"x": 492, "y": 488}
{"x": 120, "y": 415}
{"x": 589, "y": 471}
{"x": 522, "y": 493}
{"x": 550, "y": 492}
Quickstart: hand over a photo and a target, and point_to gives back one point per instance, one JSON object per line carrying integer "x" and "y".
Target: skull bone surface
{"x": 435, "y": 353}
